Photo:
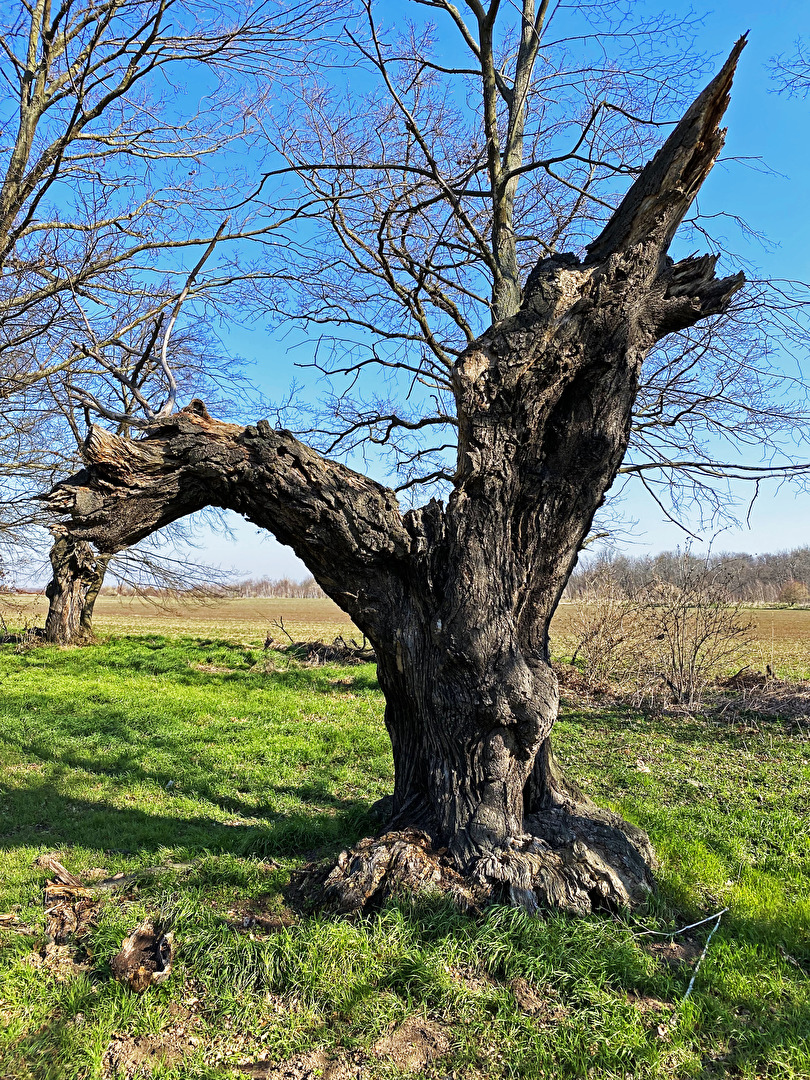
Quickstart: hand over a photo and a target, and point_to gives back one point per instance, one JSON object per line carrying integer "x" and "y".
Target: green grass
{"x": 150, "y": 750}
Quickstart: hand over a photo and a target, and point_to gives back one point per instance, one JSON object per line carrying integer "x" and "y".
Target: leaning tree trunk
{"x": 78, "y": 574}
{"x": 89, "y": 606}
{"x": 457, "y": 598}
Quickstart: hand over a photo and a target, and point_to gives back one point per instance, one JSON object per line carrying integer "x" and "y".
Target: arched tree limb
{"x": 346, "y": 525}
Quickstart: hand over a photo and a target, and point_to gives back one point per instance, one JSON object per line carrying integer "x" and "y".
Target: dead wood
{"x": 10, "y": 922}
{"x": 145, "y": 958}
{"x": 53, "y": 866}
{"x": 317, "y": 653}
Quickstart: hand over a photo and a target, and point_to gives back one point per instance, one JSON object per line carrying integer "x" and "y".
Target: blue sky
{"x": 761, "y": 124}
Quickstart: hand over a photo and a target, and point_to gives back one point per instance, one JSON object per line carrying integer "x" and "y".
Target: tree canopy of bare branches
{"x": 125, "y": 124}
{"x": 472, "y": 141}
{"x": 791, "y": 74}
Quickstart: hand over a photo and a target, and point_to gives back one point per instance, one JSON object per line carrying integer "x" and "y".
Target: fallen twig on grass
{"x": 664, "y": 1028}
{"x": 702, "y": 957}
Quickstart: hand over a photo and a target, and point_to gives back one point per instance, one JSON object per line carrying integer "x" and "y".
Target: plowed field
{"x": 780, "y": 637}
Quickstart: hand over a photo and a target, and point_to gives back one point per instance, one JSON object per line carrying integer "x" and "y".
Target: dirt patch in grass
{"x": 61, "y": 962}
{"x": 414, "y": 1044}
{"x": 314, "y": 1064}
{"x": 648, "y": 1005}
{"x": 473, "y": 981}
{"x": 543, "y": 1006}
{"x": 674, "y": 952}
{"x": 254, "y": 917}
{"x": 137, "y": 1055}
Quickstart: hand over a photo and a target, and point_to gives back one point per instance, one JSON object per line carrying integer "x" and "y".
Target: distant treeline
{"x": 308, "y": 589}
{"x": 780, "y": 577}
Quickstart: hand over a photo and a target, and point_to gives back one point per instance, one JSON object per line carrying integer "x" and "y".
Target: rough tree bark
{"x": 78, "y": 574}
{"x": 457, "y": 598}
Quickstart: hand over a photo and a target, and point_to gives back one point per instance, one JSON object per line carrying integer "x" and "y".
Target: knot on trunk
{"x": 197, "y": 408}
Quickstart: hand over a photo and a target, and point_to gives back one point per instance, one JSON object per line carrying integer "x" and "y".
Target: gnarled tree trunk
{"x": 78, "y": 574}
{"x": 457, "y": 598}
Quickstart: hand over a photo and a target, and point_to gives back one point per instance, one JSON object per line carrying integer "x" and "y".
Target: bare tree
{"x": 791, "y": 74}
{"x": 102, "y": 173}
{"x": 457, "y": 598}
{"x": 124, "y": 122}
{"x": 443, "y": 185}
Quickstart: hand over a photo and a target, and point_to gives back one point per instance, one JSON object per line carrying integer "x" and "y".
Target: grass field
{"x": 156, "y": 749}
{"x": 780, "y": 636}
{"x": 240, "y": 620}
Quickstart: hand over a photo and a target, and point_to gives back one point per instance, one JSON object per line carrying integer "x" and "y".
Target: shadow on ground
{"x": 43, "y": 816}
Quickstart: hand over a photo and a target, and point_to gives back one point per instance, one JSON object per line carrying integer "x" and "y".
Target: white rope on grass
{"x": 662, "y": 1028}
{"x": 683, "y": 929}
{"x": 701, "y": 958}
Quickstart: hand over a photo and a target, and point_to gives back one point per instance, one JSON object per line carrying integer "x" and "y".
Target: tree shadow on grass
{"x": 43, "y": 816}
{"x": 116, "y": 747}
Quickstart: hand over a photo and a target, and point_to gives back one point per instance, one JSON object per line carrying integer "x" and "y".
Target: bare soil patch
{"x": 543, "y": 1005}
{"x": 314, "y": 1065}
{"x": 473, "y": 981}
{"x": 674, "y": 952}
{"x": 648, "y": 1005}
{"x": 414, "y": 1044}
{"x": 128, "y": 1056}
{"x": 61, "y": 962}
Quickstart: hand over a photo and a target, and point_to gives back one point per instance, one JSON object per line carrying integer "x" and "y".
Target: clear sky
{"x": 761, "y": 124}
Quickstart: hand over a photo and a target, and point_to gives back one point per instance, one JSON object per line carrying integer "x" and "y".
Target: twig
{"x": 683, "y": 929}
{"x": 279, "y": 622}
{"x": 702, "y": 957}
{"x": 167, "y": 408}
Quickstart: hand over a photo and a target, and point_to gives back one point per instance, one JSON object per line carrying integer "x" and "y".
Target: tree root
{"x": 573, "y": 862}
{"x": 394, "y": 864}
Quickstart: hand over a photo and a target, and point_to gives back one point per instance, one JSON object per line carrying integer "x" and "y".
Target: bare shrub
{"x": 675, "y": 635}
{"x": 607, "y": 629}
{"x": 695, "y": 630}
